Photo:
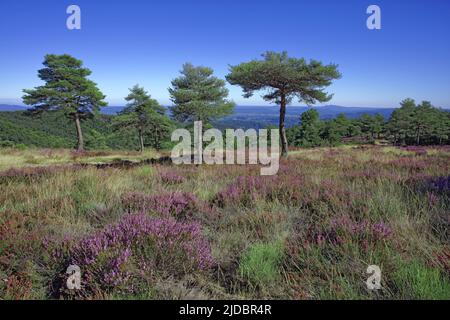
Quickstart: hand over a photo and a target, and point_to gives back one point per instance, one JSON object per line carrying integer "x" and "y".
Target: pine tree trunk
{"x": 80, "y": 146}
{"x": 284, "y": 144}
{"x": 141, "y": 141}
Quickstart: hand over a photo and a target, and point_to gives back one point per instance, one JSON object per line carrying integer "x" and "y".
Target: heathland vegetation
{"x": 163, "y": 231}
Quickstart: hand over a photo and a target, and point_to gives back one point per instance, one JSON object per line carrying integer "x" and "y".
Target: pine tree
{"x": 284, "y": 78}
{"x": 310, "y": 127}
{"x": 66, "y": 89}
{"x": 145, "y": 115}
{"x": 199, "y": 96}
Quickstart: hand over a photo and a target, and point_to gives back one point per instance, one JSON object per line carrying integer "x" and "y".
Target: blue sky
{"x": 146, "y": 42}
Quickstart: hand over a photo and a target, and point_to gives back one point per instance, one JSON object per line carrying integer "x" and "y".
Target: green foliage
{"x": 282, "y": 75}
{"x": 408, "y": 125}
{"x": 420, "y": 124}
{"x": 284, "y": 78}
{"x": 6, "y": 144}
{"x": 260, "y": 264}
{"x": 309, "y": 130}
{"x": 44, "y": 131}
{"x": 96, "y": 141}
{"x": 53, "y": 130}
{"x": 145, "y": 116}
{"x": 67, "y": 89}
{"x": 199, "y": 96}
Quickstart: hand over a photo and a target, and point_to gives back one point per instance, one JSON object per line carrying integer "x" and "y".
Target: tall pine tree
{"x": 199, "y": 96}
{"x": 66, "y": 89}
{"x": 284, "y": 78}
{"x": 145, "y": 115}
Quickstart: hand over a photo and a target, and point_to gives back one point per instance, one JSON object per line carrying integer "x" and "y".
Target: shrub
{"x": 344, "y": 230}
{"x": 36, "y": 171}
{"x": 139, "y": 246}
{"x": 245, "y": 190}
{"x": 260, "y": 264}
{"x": 420, "y": 151}
{"x": 6, "y": 144}
{"x": 182, "y": 205}
{"x": 21, "y": 146}
{"x": 170, "y": 177}
{"x": 440, "y": 185}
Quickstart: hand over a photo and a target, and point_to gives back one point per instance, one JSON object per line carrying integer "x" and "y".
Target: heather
{"x": 159, "y": 231}
{"x": 137, "y": 248}
{"x": 181, "y": 205}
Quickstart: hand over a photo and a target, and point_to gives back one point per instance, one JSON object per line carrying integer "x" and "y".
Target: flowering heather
{"x": 181, "y": 205}
{"x": 374, "y": 173}
{"x": 420, "y": 151}
{"x": 410, "y": 163}
{"x": 288, "y": 187}
{"x": 36, "y": 171}
{"x": 344, "y": 229}
{"x": 327, "y": 215}
{"x": 171, "y": 177}
{"x": 147, "y": 243}
{"x": 440, "y": 185}
{"x": 246, "y": 190}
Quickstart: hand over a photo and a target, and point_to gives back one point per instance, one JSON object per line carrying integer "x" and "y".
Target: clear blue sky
{"x": 146, "y": 42}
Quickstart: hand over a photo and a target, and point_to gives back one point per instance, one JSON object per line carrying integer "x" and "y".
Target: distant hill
{"x": 261, "y": 116}
{"x": 8, "y": 107}
{"x": 106, "y": 110}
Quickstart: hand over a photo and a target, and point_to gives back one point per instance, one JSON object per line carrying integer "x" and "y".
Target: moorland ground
{"x": 165, "y": 231}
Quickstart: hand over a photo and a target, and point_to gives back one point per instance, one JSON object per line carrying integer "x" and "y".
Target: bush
{"x": 20, "y": 146}
{"x": 137, "y": 247}
{"x": 181, "y": 205}
{"x": 6, "y": 144}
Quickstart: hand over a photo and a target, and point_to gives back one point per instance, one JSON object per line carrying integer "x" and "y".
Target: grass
{"x": 10, "y": 157}
{"x": 415, "y": 280}
{"x": 308, "y": 234}
{"x": 260, "y": 264}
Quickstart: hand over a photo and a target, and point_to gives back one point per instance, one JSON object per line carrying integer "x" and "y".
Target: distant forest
{"x": 411, "y": 124}
{"x": 54, "y": 130}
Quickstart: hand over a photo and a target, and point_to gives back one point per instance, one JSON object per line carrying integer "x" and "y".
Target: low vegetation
{"x": 164, "y": 231}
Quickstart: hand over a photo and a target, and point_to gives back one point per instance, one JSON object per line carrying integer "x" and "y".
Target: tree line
{"x": 197, "y": 95}
{"x": 411, "y": 124}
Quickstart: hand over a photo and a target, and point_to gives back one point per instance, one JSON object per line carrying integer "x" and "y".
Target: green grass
{"x": 260, "y": 264}
{"x": 415, "y": 280}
